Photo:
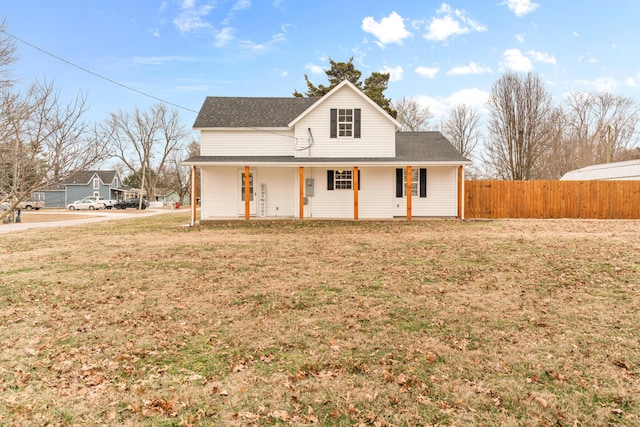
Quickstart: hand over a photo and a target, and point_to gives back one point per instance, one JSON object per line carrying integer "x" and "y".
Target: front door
{"x": 252, "y": 194}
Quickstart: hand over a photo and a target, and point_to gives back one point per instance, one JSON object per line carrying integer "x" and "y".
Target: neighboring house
{"x": 168, "y": 196}
{"x": 54, "y": 195}
{"x": 107, "y": 184}
{"x": 339, "y": 156}
{"x": 628, "y": 170}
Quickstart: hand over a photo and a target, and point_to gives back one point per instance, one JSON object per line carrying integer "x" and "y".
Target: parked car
{"x": 131, "y": 203}
{"x": 107, "y": 203}
{"x": 28, "y": 205}
{"x": 84, "y": 204}
{"x": 100, "y": 203}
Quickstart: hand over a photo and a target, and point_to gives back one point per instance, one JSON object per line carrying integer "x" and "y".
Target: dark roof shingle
{"x": 220, "y": 111}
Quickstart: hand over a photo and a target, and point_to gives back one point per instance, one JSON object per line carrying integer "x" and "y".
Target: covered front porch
{"x": 326, "y": 192}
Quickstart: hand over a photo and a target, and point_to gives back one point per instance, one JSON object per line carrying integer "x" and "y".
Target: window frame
{"x": 96, "y": 183}
{"x": 418, "y": 182}
{"x": 345, "y": 123}
{"x": 343, "y": 179}
{"x": 333, "y": 179}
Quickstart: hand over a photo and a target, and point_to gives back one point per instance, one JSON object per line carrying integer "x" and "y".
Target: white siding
{"x": 377, "y": 130}
{"x": 246, "y": 143}
{"x": 220, "y": 192}
{"x": 281, "y": 190}
{"x": 442, "y": 195}
{"x": 375, "y": 196}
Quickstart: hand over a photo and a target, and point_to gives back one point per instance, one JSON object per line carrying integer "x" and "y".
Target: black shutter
{"x": 334, "y": 123}
{"x": 423, "y": 183}
{"x": 329, "y": 180}
{"x": 358, "y": 179}
{"x": 399, "y": 182}
{"x": 356, "y": 123}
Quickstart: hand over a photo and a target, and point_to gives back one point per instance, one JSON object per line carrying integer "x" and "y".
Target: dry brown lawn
{"x": 149, "y": 322}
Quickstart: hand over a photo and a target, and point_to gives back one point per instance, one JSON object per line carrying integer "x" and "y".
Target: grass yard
{"x": 147, "y": 322}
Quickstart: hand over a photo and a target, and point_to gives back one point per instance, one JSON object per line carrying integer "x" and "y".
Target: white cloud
{"x": 241, "y": 5}
{"x": 521, "y": 7}
{"x": 520, "y": 37}
{"x": 390, "y": 29}
{"x": 160, "y": 60}
{"x": 428, "y": 72}
{"x": 441, "y": 106}
{"x": 283, "y": 74}
{"x": 191, "y": 17}
{"x": 451, "y": 22}
{"x": 601, "y": 84}
{"x": 542, "y": 57}
{"x": 315, "y": 69}
{"x": 224, "y": 37}
{"x": 474, "y": 97}
{"x": 514, "y": 60}
{"x": 261, "y": 47}
{"x": 472, "y": 68}
{"x": 396, "y": 73}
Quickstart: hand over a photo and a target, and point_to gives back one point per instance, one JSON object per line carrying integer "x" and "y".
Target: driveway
{"x": 82, "y": 217}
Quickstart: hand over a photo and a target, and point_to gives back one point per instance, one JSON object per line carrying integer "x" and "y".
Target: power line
{"x": 96, "y": 74}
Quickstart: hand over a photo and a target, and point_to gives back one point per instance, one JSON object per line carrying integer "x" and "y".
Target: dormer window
{"x": 345, "y": 122}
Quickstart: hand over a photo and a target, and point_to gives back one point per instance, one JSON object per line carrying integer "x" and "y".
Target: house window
{"x": 96, "y": 183}
{"x": 418, "y": 182}
{"x": 345, "y": 122}
{"x": 341, "y": 180}
{"x": 414, "y": 182}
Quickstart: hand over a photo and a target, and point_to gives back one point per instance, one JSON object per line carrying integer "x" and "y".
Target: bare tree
{"x": 559, "y": 154}
{"x": 593, "y": 128}
{"x": 8, "y": 55}
{"x": 43, "y": 140}
{"x": 602, "y": 125}
{"x": 462, "y": 128}
{"x": 519, "y": 112}
{"x": 145, "y": 139}
{"x": 178, "y": 177}
{"x": 411, "y": 115}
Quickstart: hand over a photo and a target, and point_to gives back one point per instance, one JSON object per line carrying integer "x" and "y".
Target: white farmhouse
{"x": 339, "y": 156}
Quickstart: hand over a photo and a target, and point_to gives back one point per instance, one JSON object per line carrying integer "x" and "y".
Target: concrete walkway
{"x": 88, "y": 217}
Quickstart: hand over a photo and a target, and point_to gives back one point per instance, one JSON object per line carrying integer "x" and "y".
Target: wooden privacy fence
{"x": 552, "y": 199}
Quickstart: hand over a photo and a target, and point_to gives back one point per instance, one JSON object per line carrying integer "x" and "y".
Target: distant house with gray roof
{"x": 339, "y": 156}
{"x": 105, "y": 183}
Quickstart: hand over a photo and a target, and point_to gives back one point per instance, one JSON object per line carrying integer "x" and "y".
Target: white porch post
{"x": 194, "y": 197}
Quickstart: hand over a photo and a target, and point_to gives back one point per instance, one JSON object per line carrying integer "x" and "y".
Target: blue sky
{"x": 440, "y": 53}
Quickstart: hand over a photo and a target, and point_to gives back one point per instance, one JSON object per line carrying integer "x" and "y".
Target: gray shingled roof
{"x": 429, "y": 145}
{"x": 220, "y": 111}
{"x": 83, "y": 177}
{"x": 410, "y": 147}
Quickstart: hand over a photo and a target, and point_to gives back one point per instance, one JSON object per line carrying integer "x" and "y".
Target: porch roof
{"x": 412, "y": 148}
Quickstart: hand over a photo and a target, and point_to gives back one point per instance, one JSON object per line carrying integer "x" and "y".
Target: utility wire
{"x": 96, "y": 74}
